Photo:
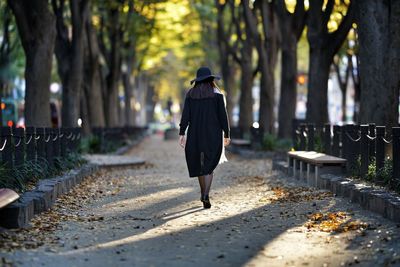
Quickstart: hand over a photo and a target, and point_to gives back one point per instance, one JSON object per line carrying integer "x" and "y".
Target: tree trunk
{"x": 291, "y": 28}
{"x": 93, "y": 80}
{"x": 288, "y": 97}
{"x": 246, "y": 87}
{"x": 373, "y": 30}
{"x": 317, "y": 96}
{"x": 114, "y": 74}
{"x": 394, "y": 60}
{"x": 150, "y": 104}
{"x": 228, "y": 76}
{"x": 127, "y": 81}
{"x": 72, "y": 87}
{"x": 267, "y": 92}
{"x": 323, "y": 46}
{"x": 36, "y": 26}
{"x": 84, "y": 114}
{"x": 226, "y": 63}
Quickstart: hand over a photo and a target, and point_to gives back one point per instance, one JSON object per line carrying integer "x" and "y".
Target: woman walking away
{"x": 208, "y": 132}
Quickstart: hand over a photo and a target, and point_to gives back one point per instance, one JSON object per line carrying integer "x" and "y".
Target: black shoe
{"x": 206, "y": 202}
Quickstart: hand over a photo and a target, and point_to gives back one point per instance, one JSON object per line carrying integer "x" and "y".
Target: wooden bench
{"x": 310, "y": 164}
{"x": 7, "y": 196}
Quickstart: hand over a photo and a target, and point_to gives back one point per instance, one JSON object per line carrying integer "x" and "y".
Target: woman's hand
{"x": 182, "y": 141}
{"x": 227, "y": 141}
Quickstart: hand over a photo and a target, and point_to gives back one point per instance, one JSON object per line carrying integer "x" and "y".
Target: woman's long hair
{"x": 203, "y": 89}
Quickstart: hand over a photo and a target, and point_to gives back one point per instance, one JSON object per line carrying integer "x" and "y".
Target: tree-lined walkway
{"x": 152, "y": 216}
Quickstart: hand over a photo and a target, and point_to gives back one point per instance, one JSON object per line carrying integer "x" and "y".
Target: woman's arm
{"x": 223, "y": 116}
{"x": 185, "y": 117}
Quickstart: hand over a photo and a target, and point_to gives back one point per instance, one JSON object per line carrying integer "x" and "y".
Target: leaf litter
{"x": 334, "y": 222}
{"x": 282, "y": 194}
{"x": 66, "y": 208}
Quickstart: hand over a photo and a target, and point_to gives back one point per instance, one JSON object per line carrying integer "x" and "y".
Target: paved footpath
{"x": 152, "y": 216}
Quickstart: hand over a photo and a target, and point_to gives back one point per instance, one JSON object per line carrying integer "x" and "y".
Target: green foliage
{"x": 318, "y": 146}
{"x": 356, "y": 168}
{"x": 272, "y": 143}
{"x": 371, "y": 173}
{"x": 386, "y": 175}
{"x": 30, "y": 172}
{"x": 269, "y": 142}
{"x": 90, "y": 145}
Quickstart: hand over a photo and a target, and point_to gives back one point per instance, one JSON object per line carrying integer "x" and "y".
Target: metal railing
{"x": 360, "y": 145}
{"x": 19, "y": 145}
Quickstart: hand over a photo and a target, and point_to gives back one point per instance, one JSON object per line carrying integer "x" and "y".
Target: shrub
{"x": 272, "y": 143}
{"x": 30, "y": 172}
{"x": 90, "y": 144}
{"x": 269, "y": 142}
{"x": 371, "y": 173}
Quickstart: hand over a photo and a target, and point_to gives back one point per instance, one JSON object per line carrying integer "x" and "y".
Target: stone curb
{"x": 19, "y": 213}
{"x": 370, "y": 198}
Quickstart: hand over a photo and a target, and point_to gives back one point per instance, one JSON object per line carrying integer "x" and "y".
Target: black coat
{"x": 206, "y": 118}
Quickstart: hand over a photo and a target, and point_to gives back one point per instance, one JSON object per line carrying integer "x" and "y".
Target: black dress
{"x": 206, "y": 118}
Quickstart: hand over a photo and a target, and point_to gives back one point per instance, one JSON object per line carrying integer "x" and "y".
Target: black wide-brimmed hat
{"x": 204, "y": 73}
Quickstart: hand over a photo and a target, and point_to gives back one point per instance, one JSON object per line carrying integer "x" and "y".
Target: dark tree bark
{"x": 70, "y": 57}
{"x": 271, "y": 42}
{"x": 93, "y": 80}
{"x": 84, "y": 114}
{"x": 343, "y": 82}
{"x": 394, "y": 60}
{"x": 323, "y": 47}
{"x": 379, "y": 39}
{"x": 150, "y": 104}
{"x": 36, "y": 26}
{"x": 243, "y": 55}
{"x": 127, "y": 81}
{"x": 355, "y": 77}
{"x": 291, "y": 28}
{"x": 246, "y": 86}
{"x": 114, "y": 59}
{"x": 226, "y": 60}
{"x": 265, "y": 45}
{"x": 5, "y": 54}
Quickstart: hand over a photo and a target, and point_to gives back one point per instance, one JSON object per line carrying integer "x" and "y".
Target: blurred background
{"x": 94, "y": 63}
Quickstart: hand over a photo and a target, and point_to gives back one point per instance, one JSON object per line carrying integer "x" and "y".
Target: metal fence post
{"x": 336, "y": 141}
{"x": 396, "y": 152}
{"x": 302, "y": 137}
{"x": 78, "y": 136}
{"x": 56, "y": 142}
{"x": 364, "y": 151}
{"x": 30, "y": 144}
{"x": 40, "y": 144}
{"x": 63, "y": 142}
{"x": 351, "y": 148}
{"x": 8, "y": 147}
{"x": 310, "y": 137}
{"x": 49, "y": 146}
{"x": 380, "y": 147}
{"x": 327, "y": 139}
{"x": 19, "y": 144}
{"x": 372, "y": 141}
